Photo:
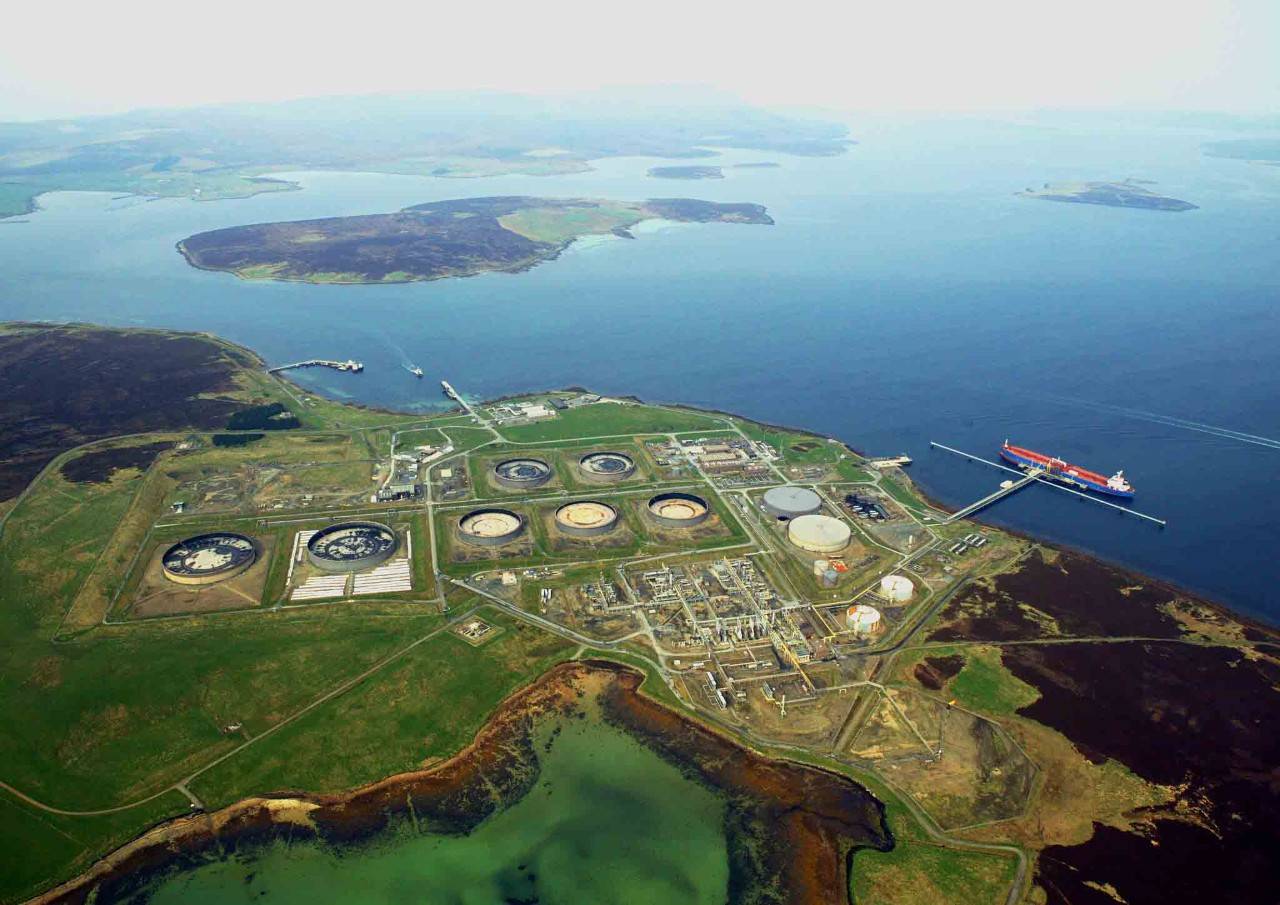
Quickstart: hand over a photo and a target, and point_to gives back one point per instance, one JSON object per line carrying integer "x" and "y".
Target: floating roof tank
{"x": 490, "y": 527}
{"x": 206, "y": 558}
{"x": 586, "y": 518}
{"x": 351, "y": 546}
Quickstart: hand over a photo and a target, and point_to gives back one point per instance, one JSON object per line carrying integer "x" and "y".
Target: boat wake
{"x": 1171, "y": 421}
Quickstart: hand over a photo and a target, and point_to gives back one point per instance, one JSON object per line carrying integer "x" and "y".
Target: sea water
{"x": 904, "y": 295}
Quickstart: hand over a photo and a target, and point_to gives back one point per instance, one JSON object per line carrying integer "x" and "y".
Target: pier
{"x": 1027, "y": 478}
{"x": 355, "y": 367}
{"x": 1003, "y": 492}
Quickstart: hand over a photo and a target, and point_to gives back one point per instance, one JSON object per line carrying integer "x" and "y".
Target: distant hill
{"x": 221, "y": 151}
{"x": 1267, "y": 149}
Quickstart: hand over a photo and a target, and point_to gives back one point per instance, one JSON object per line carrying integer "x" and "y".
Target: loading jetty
{"x": 355, "y": 367}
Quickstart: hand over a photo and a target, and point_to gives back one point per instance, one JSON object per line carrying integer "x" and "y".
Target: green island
{"x": 440, "y": 239}
{"x": 1128, "y": 193}
{"x": 686, "y": 172}
{"x": 897, "y": 708}
{"x": 237, "y": 150}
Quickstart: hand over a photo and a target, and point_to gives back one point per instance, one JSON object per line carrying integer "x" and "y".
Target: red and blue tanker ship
{"x": 1065, "y": 472}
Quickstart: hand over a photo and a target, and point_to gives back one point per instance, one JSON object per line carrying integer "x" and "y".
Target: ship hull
{"x": 1056, "y": 474}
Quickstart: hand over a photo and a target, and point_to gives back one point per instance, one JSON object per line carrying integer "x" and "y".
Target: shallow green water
{"x": 608, "y": 822}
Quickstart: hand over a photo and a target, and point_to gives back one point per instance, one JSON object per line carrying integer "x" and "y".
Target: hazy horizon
{"x": 1213, "y": 56}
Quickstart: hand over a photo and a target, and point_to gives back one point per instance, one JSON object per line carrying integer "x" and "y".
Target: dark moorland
{"x": 1159, "y": 697}
{"x": 65, "y": 386}
{"x": 98, "y": 466}
{"x": 436, "y": 240}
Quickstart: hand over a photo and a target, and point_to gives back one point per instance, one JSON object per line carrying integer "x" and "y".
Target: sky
{"x": 79, "y": 57}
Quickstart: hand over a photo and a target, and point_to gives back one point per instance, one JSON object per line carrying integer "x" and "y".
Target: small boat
{"x": 414, "y": 370}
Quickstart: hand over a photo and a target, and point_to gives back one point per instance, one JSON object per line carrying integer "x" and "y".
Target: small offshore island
{"x": 686, "y": 172}
{"x": 574, "y": 642}
{"x": 1129, "y": 193}
{"x": 440, "y": 239}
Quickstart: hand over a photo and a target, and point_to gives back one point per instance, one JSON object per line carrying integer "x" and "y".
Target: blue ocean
{"x": 904, "y": 295}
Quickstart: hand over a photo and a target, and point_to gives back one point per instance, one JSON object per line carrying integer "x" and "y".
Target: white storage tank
{"x": 819, "y": 533}
{"x": 897, "y": 588}
{"x": 864, "y": 620}
{"x": 790, "y": 502}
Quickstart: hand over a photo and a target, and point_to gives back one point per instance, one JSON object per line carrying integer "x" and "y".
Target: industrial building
{"x": 351, "y": 546}
{"x": 207, "y": 558}
{"x": 586, "y": 518}
{"x": 790, "y": 502}
{"x": 490, "y": 527}
{"x": 522, "y": 474}
{"x": 678, "y": 510}
{"x": 819, "y": 533}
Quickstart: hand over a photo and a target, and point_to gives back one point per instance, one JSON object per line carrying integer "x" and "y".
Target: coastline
{"x": 803, "y": 823}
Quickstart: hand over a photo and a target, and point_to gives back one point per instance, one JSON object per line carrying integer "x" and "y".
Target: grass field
{"x": 429, "y": 704}
{"x": 985, "y": 685}
{"x": 921, "y": 873}
{"x": 611, "y": 420}
{"x": 558, "y": 224}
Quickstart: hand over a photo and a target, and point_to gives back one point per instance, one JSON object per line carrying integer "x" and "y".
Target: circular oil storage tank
{"x": 607, "y": 466}
{"x": 679, "y": 510}
{"x": 522, "y": 474}
{"x": 897, "y": 588}
{"x": 206, "y": 558}
{"x": 490, "y": 527}
{"x": 351, "y": 546}
{"x": 586, "y": 518}
{"x": 863, "y": 620}
{"x": 819, "y": 533}
{"x": 791, "y": 502}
